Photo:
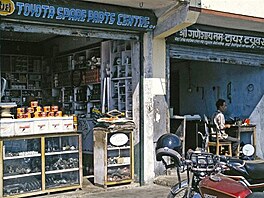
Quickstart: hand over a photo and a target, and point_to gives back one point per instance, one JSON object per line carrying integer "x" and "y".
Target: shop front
{"x": 81, "y": 58}
{"x": 207, "y": 63}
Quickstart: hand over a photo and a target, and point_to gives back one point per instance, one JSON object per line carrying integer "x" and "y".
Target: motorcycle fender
{"x": 219, "y": 186}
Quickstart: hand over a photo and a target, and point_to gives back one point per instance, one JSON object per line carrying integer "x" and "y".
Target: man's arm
{"x": 219, "y": 121}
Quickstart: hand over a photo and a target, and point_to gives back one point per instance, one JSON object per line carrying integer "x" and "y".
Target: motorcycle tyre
{"x": 181, "y": 193}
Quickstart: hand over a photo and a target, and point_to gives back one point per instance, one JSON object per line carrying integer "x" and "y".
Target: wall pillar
{"x": 155, "y": 104}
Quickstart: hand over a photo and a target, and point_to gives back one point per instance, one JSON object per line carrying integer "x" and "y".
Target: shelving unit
{"x": 113, "y": 157}
{"x": 121, "y": 77}
{"x": 24, "y": 76}
{"x": 39, "y": 164}
{"x": 94, "y": 97}
{"x": 77, "y": 77}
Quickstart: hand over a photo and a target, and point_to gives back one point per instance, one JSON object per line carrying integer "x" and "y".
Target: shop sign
{"x": 7, "y": 7}
{"x": 77, "y": 13}
{"x": 197, "y": 36}
{"x": 118, "y": 139}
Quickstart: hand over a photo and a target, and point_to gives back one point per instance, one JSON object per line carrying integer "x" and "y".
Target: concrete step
{"x": 168, "y": 180}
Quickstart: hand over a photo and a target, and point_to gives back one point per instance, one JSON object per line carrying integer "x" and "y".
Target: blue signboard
{"x": 78, "y": 13}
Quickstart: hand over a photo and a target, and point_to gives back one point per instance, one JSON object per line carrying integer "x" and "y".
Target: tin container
{"x": 39, "y": 109}
{"x": 51, "y": 114}
{"x": 46, "y": 109}
{"x": 34, "y": 103}
{"x": 44, "y": 114}
{"x": 20, "y": 115}
{"x": 30, "y": 110}
{"x": 58, "y": 114}
{"x": 37, "y": 114}
{"x": 54, "y": 108}
{"x": 27, "y": 115}
{"x": 75, "y": 122}
{"x": 20, "y": 110}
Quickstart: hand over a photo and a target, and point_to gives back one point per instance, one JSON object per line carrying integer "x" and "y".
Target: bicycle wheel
{"x": 181, "y": 193}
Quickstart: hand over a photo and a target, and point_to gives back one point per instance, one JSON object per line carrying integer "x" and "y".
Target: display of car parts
{"x": 22, "y": 166}
{"x": 56, "y": 180}
{"x": 55, "y": 163}
{"x": 118, "y": 174}
{"x": 21, "y": 185}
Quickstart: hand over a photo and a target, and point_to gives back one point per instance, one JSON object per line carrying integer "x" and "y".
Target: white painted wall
{"x": 252, "y": 8}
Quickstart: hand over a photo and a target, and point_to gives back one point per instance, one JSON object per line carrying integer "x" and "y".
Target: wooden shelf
{"x": 118, "y": 148}
{"x": 61, "y": 152}
{"x": 115, "y": 165}
{"x": 61, "y": 171}
{"x": 21, "y": 157}
{"x": 21, "y": 175}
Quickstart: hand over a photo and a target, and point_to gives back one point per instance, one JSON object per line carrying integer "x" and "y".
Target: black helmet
{"x": 169, "y": 145}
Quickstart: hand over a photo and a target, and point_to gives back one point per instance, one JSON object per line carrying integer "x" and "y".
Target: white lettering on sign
{"x": 83, "y": 15}
{"x": 220, "y": 39}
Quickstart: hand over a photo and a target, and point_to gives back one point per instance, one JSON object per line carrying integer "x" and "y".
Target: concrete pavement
{"x": 159, "y": 189}
{"x": 148, "y": 191}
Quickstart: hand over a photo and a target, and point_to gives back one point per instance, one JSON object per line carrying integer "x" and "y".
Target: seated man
{"x": 218, "y": 119}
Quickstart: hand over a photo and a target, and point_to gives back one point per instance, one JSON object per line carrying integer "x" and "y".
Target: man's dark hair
{"x": 219, "y": 103}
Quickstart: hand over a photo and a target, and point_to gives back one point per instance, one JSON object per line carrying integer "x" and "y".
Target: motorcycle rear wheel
{"x": 181, "y": 193}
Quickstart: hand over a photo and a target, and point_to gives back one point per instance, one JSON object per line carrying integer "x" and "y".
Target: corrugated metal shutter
{"x": 215, "y": 55}
{"x": 66, "y": 31}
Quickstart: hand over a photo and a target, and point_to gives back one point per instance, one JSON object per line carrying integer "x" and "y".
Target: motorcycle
{"x": 208, "y": 175}
{"x": 246, "y": 170}
{"x": 250, "y": 173}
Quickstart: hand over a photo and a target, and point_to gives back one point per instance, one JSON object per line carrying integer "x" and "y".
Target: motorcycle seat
{"x": 255, "y": 169}
{"x": 256, "y": 195}
{"x": 235, "y": 162}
